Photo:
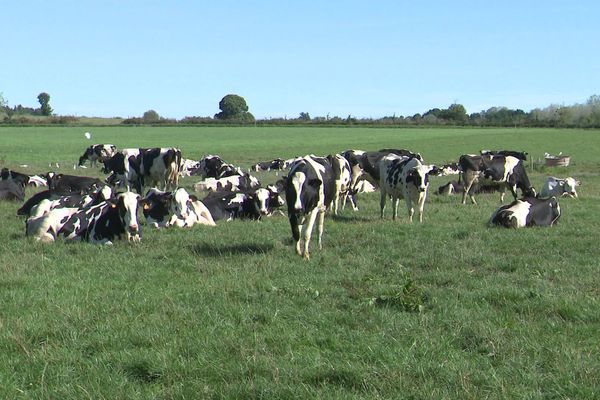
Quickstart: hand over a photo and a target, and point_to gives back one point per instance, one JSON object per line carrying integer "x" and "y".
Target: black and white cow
{"x": 269, "y": 199}
{"x": 405, "y": 177}
{"x": 528, "y": 211}
{"x": 23, "y": 179}
{"x": 97, "y": 152}
{"x": 277, "y": 164}
{"x": 72, "y": 183}
{"x": 45, "y": 227}
{"x": 309, "y": 191}
{"x": 106, "y": 221}
{"x": 506, "y": 170}
{"x": 559, "y": 187}
{"x": 210, "y": 166}
{"x": 369, "y": 161}
{"x": 521, "y": 155}
{"x": 11, "y": 190}
{"x": 158, "y": 167}
{"x": 232, "y": 183}
{"x": 189, "y": 167}
{"x": 232, "y": 205}
{"x": 342, "y": 174}
{"x": 176, "y": 208}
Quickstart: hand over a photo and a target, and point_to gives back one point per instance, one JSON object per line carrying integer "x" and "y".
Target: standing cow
{"x": 309, "y": 191}
{"x": 97, "y": 152}
{"x": 404, "y": 177}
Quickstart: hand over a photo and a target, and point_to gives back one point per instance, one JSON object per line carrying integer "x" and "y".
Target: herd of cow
{"x": 85, "y": 208}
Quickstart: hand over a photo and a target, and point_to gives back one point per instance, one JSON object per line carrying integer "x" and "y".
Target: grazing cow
{"x": 369, "y": 161}
{"x": 309, "y": 191}
{"x": 11, "y": 190}
{"x": 72, "y": 183}
{"x": 277, "y": 164}
{"x": 405, "y": 177}
{"x": 342, "y": 174}
{"x": 559, "y": 187}
{"x": 177, "y": 208}
{"x": 97, "y": 152}
{"x": 508, "y": 171}
{"x": 106, "y": 221}
{"x": 528, "y": 211}
{"x": 243, "y": 182}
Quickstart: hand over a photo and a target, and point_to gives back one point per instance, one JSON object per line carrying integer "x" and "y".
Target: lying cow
{"x": 277, "y": 164}
{"x": 23, "y": 179}
{"x": 405, "y": 177}
{"x": 252, "y": 204}
{"x": 106, "y": 221}
{"x": 97, "y": 152}
{"x": 11, "y": 190}
{"x": 232, "y": 183}
{"x": 177, "y": 208}
{"x": 529, "y": 211}
{"x": 559, "y": 187}
{"x": 72, "y": 183}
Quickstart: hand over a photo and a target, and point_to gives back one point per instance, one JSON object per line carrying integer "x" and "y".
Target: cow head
{"x": 267, "y": 199}
{"x": 569, "y": 185}
{"x": 127, "y": 206}
{"x": 179, "y": 205}
{"x": 419, "y": 176}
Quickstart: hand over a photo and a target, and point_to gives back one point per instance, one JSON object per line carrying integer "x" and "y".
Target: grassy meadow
{"x": 447, "y": 309}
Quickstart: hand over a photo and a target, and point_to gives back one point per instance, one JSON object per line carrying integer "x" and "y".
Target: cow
{"x": 309, "y": 191}
{"x": 231, "y": 183}
{"x": 189, "y": 167}
{"x": 72, "y": 183}
{"x": 509, "y": 171}
{"x": 521, "y": 155}
{"x": 106, "y": 221}
{"x": 277, "y": 164}
{"x": 405, "y": 177}
{"x": 559, "y": 187}
{"x": 49, "y": 216}
{"x": 23, "y": 179}
{"x": 228, "y": 206}
{"x": 455, "y": 187}
{"x": 210, "y": 165}
{"x": 160, "y": 167}
{"x": 268, "y": 199}
{"x": 528, "y": 211}
{"x": 368, "y": 161}
{"x": 11, "y": 190}
{"x": 124, "y": 167}
{"x": 137, "y": 168}
{"x": 97, "y": 152}
{"x": 176, "y": 208}
{"x": 342, "y": 174}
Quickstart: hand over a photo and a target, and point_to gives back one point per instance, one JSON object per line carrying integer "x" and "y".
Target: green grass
{"x": 446, "y": 309}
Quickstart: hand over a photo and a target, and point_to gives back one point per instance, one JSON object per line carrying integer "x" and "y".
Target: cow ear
{"x": 315, "y": 182}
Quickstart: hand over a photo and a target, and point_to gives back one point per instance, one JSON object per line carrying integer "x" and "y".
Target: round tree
{"x": 234, "y": 107}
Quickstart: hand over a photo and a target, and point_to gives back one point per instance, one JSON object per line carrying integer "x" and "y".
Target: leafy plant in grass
{"x": 405, "y": 297}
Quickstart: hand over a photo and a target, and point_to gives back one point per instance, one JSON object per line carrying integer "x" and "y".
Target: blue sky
{"x": 363, "y": 58}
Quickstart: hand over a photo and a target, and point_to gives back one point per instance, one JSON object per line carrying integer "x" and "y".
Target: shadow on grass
{"x": 209, "y": 250}
{"x": 351, "y": 219}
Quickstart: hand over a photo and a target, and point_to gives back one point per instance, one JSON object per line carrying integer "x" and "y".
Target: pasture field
{"x": 447, "y": 309}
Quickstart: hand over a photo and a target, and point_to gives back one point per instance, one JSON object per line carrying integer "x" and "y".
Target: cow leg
{"x": 395, "y": 201}
{"x": 382, "y": 201}
{"x": 513, "y": 190}
{"x": 467, "y": 191}
{"x": 421, "y": 206}
{"x": 321, "y": 227}
{"x": 410, "y": 209}
{"x": 308, "y": 233}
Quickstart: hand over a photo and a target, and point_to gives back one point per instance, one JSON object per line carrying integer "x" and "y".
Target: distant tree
{"x": 455, "y": 113}
{"x": 150, "y": 116}
{"x": 234, "y": 108}
{"x": 3, "y": 101}
{"x": 304, "y": 116}
{"x": 44, "y": 99}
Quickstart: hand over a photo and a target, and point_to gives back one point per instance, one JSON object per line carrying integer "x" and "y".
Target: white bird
{"x": 87, "y": 135}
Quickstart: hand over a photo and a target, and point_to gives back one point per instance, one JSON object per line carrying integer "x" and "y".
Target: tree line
{"x": 235, "y": 111}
